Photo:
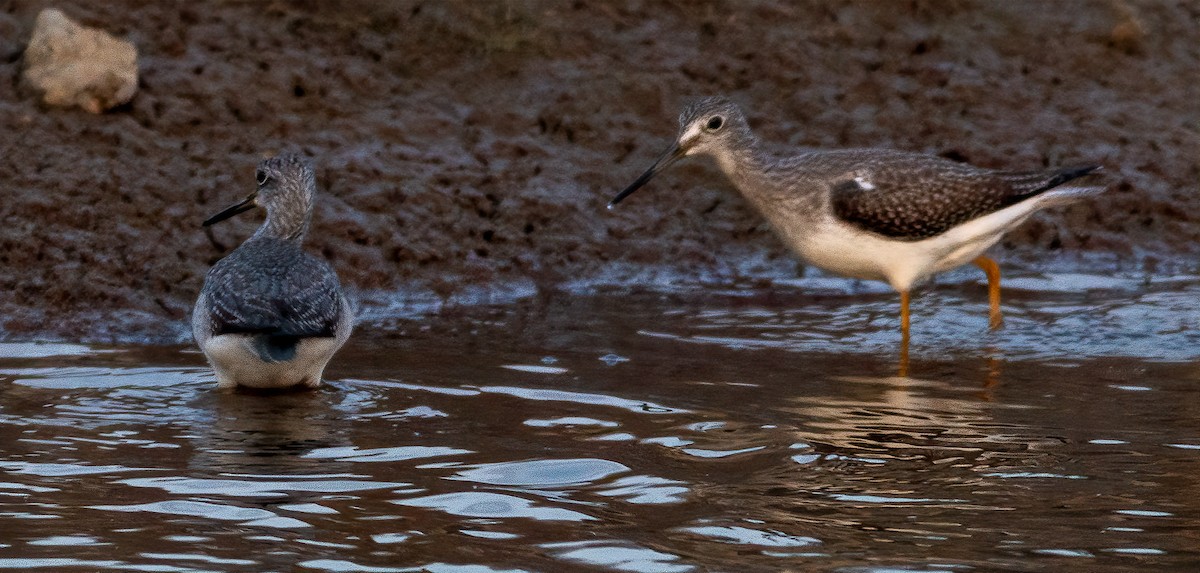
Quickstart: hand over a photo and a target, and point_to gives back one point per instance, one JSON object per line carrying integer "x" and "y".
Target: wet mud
{"x": 466, "y": 150}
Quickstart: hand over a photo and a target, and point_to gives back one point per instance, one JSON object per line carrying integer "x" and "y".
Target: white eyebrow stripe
{"x": 864, "y": 183}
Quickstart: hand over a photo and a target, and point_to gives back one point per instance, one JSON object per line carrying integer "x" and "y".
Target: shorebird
{"x": 269, "y": 314}
{"x": 872, "y": 214}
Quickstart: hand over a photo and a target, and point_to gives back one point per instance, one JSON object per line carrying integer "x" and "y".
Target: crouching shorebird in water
{"x": 873, "y": 213}
{"x": 271, "y": 315}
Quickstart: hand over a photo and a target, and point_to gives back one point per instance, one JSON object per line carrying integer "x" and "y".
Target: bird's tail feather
{"x": 275, "y": 347}
{"x": 1069, "y": 185}
{"x": 1066, "y": 174}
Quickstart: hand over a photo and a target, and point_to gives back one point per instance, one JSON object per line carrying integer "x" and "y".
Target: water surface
{"x": 726, "y": 431}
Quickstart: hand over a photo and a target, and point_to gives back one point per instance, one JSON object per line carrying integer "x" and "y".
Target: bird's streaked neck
{"x": 287, "y": 221}
{"x": 743, "y": 165}
{"x": 755, "y": 175}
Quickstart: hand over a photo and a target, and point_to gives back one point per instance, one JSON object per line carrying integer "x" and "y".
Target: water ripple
{"x": 541, "y": 394}
{"x": 62, "y": 470}
{"x": 619, "y": 557}
{"x": 747, "y": 536}
{"x": 390, "y": 454}
{"x": 542, "y": 473}
{"x": 203, "y": 509}
{"x": 63, "y": 562}
{"x": 180, "y": 485}
{"x": 495, "y": 505}
{"x": 45, "y": 350}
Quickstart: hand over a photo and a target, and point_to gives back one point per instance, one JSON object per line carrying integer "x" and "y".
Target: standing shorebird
{"x": 271, "y": 315}
{"x": 872, "y": 213}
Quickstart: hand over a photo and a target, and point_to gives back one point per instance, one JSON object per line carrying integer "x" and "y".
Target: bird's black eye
{"x": 715, "y": 123}
{"x": 262, "y": 177}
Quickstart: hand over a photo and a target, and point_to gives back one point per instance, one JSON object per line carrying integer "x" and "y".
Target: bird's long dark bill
{"x": 664, "y": 161}
{"x": 230, "y": 211}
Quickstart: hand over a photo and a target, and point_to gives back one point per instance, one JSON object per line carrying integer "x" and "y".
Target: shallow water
{"x": 720, "y": 431}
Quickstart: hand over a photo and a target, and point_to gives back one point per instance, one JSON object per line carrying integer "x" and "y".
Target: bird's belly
{"x": 855, "y": 254}
{"x": 236, "y": 362}
{"x": 844, "y": 260}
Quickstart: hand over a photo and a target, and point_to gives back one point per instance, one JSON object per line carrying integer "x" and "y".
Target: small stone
{"x": 75, "y": 65}
{"x": 1127, "y": 35}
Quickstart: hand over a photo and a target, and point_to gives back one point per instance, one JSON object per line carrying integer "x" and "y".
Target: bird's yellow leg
{"x": 995, "y": 320}
{"x": 904, "y": 321}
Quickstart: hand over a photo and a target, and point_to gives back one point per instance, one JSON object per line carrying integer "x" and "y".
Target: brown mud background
{"x": 468, "y": 149}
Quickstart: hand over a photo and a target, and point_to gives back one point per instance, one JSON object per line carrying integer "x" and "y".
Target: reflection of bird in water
{"x": 896, "y": 417}
{"x": 871, "y": 213}
{"x": 261, "y": 435}
{"x": 271, "y": 315}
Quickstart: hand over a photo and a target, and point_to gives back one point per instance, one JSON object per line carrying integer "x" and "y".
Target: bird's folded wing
{"x": 914, "y": 202}
{"x": 300, "y": 297}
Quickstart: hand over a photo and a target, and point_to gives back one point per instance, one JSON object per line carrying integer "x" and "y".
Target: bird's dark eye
{"x": 715, "y": 123}
{"x": 262, "y": 177}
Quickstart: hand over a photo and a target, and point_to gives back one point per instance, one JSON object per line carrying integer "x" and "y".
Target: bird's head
{"x": 286, "y": 183}
{"x": 710, "y": 126}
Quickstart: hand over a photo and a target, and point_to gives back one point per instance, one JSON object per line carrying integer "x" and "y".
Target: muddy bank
{"x": 462, "y": 145}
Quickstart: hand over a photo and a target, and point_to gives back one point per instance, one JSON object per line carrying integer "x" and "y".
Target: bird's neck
{"x": 746, "y": 166}
{"x": 770, "y": 186}
{"x": 288, "y": 222}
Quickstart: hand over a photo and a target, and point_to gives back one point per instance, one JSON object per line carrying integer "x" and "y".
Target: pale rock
{"x": 75, "y": 65}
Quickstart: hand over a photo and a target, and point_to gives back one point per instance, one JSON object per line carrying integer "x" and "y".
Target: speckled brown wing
{"x": 914, "y": 200}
